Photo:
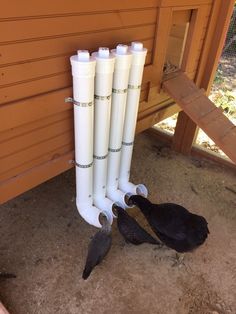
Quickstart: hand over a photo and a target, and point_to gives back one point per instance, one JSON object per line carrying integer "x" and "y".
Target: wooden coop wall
{"x": 36, "y": 41}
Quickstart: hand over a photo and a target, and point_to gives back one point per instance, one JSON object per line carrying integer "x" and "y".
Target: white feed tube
{"x": 135, "y": 79}
{"x": 102, "y": 110}
{"x": 83, "y": 71}
{"x": 119, "y": 95}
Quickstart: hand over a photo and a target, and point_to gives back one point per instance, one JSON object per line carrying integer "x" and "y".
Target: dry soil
{"x": 43, "y": 241}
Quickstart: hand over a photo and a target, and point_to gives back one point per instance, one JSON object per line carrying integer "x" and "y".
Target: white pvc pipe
{"x": 119, "y": 94}
{"x": 83, "y": 71}
{"x": 134, "y": 87}
{"x": 102, "y": 108}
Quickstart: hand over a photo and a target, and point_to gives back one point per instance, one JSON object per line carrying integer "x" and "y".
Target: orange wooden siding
{"x": 36, "y": 126}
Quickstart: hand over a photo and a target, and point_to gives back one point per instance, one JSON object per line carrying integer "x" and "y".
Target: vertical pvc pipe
{"x": 83, "y": 71}
{"x": 102, "y": 108}
{"x": 119, "y": 94}
{"x": 135, "y": 79}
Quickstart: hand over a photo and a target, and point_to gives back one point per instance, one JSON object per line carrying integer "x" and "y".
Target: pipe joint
{"x": 91, "y": 214}
{"x": 129, "y": 187}
{"x": 104, "y": 203}
{"x": 117, "y": 196}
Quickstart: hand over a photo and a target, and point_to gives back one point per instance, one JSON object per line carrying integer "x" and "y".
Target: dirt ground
{"x": 43, "y": 241}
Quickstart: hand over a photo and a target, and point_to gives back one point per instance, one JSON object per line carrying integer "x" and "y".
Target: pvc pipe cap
{"x": 137, "y": 46}
{"x": 103, "y": 52}
{"x": 83, "y": 55}
{"x": 121, "y": 49}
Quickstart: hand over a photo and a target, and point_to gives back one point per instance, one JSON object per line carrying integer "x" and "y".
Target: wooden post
{"x": 185, "y": 133}
{"x": 186, "y": 129}
{"x": 217, "y": 43}
{"x": 163, "y": 26}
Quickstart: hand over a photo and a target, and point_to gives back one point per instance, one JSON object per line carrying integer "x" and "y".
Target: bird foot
{"x": 159, "y": 246}
{"x": 178, "y": 261}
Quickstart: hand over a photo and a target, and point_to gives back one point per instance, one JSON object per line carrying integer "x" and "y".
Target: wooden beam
{"x": 146, "y": 122}
{"x": 215, "y": 11}
{"x": 160, "y": 135}
{"x": 186, "y": 130}
{"x": 203, "y": 112}
{"x": 184, "y": 3}
{"x": 202, "y": 152}
{"x": 163, "y": 27}
{"x": 197, "y": 150}
{"x": 215, "y": 44}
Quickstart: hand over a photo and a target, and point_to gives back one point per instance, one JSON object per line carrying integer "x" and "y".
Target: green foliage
{"x": 219, "y": 77}
{"x": 225, "y": 99}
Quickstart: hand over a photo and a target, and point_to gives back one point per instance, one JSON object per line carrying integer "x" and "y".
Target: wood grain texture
{"x": 35, "y": 45}
{"x": 220, "y": 129}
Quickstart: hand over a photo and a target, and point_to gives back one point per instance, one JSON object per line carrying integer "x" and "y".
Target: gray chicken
{"x": 131, "y": 230}
{"x": 98, "y": 247}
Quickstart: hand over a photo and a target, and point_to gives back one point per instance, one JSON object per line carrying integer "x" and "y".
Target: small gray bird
{"x": 98, "y": 247}
{"x": 131, "y": 230}
{"x": 4, "y": 275}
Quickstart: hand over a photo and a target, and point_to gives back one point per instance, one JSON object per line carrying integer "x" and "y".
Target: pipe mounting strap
{"x": 84, "y": 166}
{"x": 102, "y": 97}
{"x": 119, "y": 91}
{"x": 134, "y": 86}
{"x": 127, "y": 144}
{"x": 114, "y": 150}
{"x": 100, "y": 157}
{"x": 78, "y": 103}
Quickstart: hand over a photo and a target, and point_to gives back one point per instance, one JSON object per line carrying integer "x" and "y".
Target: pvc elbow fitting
{"x": 91, "y": 214}
{"x": 104, "y": 203}
{"x": 117, "y": 196}
{"x": 129, "y": 187}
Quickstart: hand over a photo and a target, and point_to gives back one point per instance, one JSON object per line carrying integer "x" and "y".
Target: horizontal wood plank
{"x": 33, "y": 29}
{"x": 33, "y": 109}
{"x": 19, "y": 52}
{"x": 33, "y": 177}
{"x": 34, "y": 151}
{"x": 39, "y": 160}
{"x": 181, "y": 89}
{"x": 25, "y": 128}
{"x": 36, "y": 136}
{"x": 153, "y": 118}
{"x": 15, "y": 9}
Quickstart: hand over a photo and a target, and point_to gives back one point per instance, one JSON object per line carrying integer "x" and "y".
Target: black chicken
{"x": 131, "y": 230}
{"x": 174, "y": 225}
{"x": 98, "y": 247}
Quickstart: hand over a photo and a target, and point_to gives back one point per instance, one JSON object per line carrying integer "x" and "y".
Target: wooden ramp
{"x": 202, "y": 111}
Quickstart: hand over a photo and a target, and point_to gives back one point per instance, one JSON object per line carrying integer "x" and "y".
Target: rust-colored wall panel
{"x": 15, "y": 131}
{"x": 35, "y": 77}
{"x": 27, "y": 154}
{"x": 39, "y": 160}
{"x": 67, "y": 44}
{"x": 41, "y": 84}
{"x": 26, "y": 71}
{"x": 16, "y": 9}
{"x": 36, "y": 136}
{"x": 59, "y": 26}
{"x": 35, "y": 108}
